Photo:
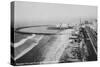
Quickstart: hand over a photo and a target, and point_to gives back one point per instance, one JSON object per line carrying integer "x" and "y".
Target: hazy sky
{"x": 32, "y": 13}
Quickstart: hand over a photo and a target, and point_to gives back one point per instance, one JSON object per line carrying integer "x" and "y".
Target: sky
{"x": 34, "y": 13}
